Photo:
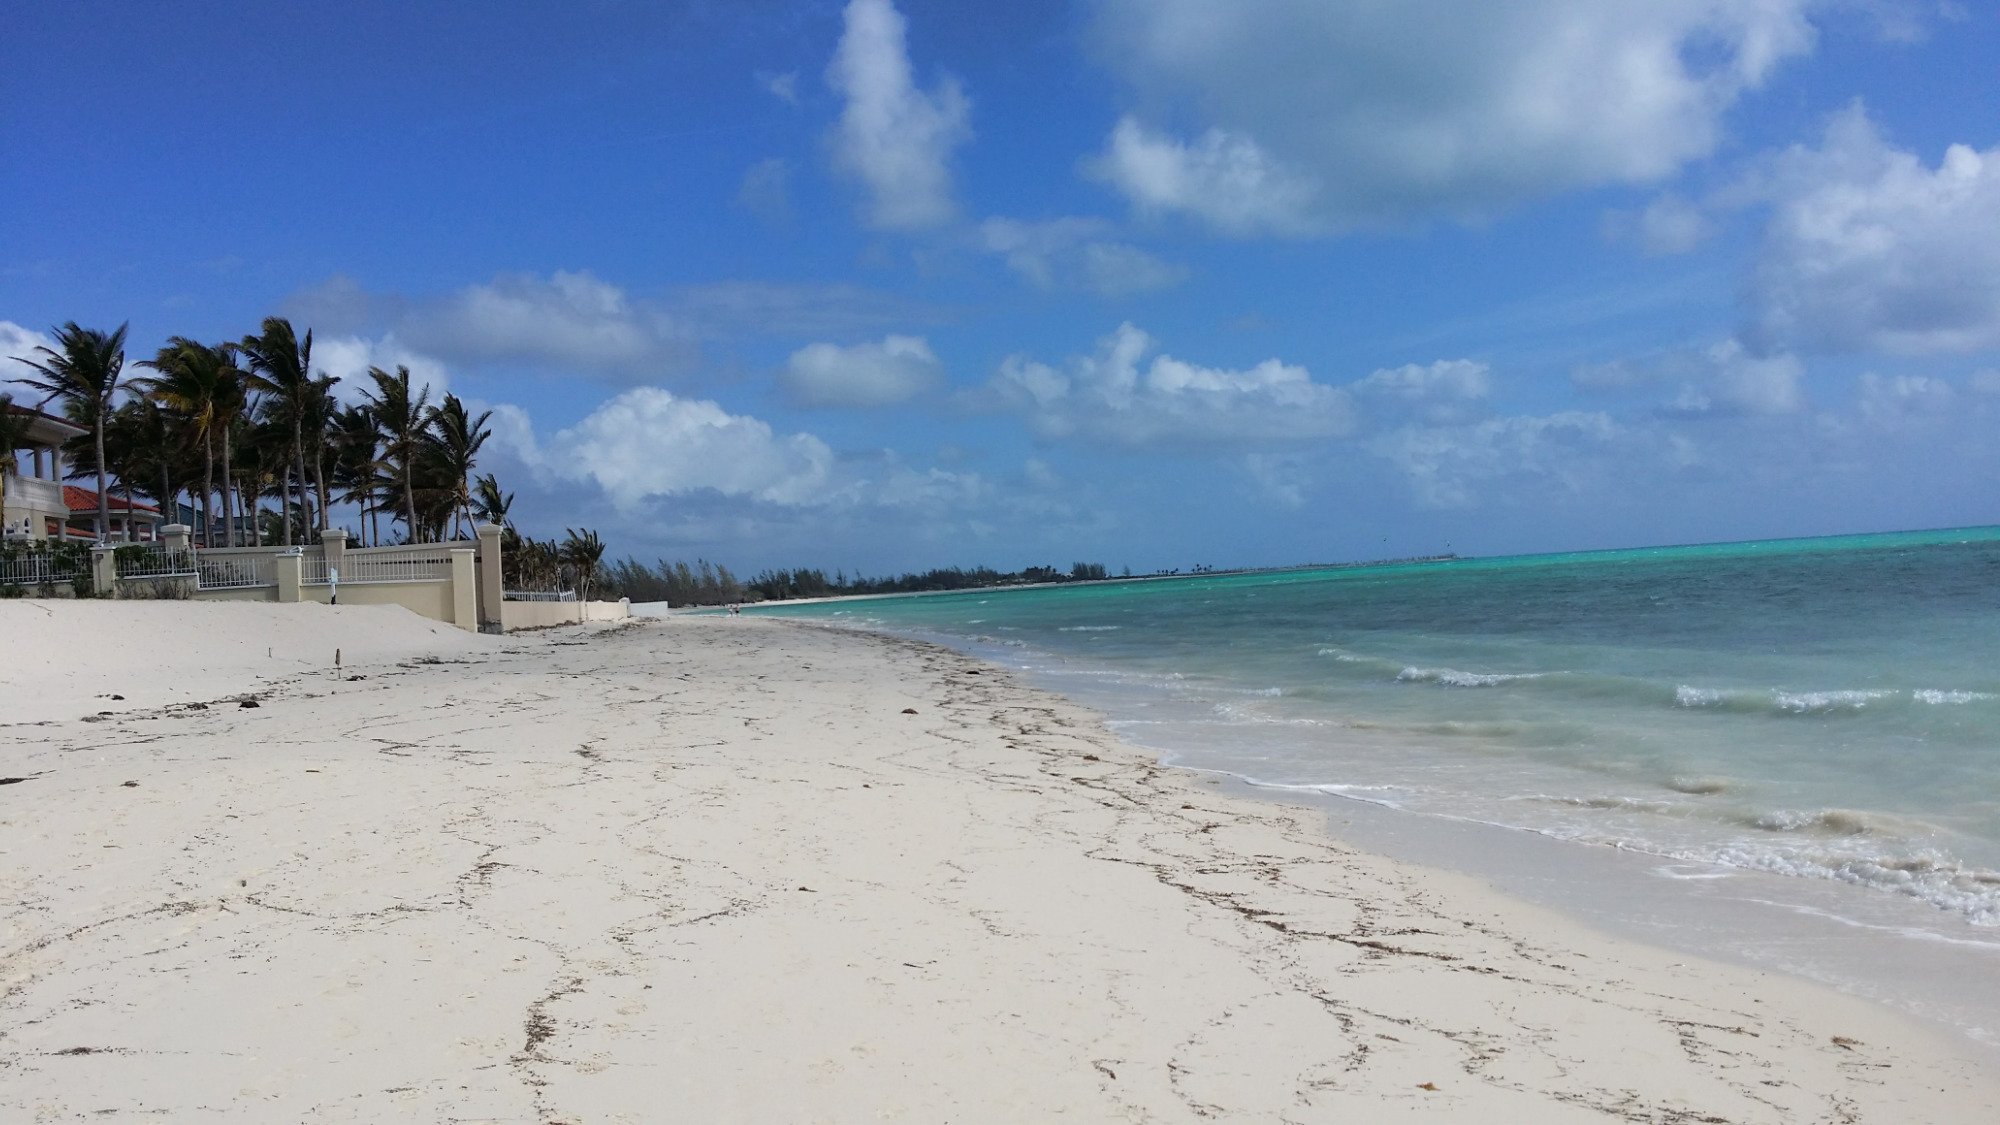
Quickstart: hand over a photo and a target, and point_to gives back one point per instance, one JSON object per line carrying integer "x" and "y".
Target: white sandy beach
{"x": 715, "y": 869}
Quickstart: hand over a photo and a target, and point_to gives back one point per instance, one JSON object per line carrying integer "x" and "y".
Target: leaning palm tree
{"x": 283, "y": 363}
{"x": 357, "y": 468}
{"x": 582, "y": 552}
{"x": 401, "y": 416}
{"x": 321, "y": 411}
{"x": 82, "y": 372}
{"x": 147, "y": 443}
{"x": 489, "y": 504}
{"x": 456, "y": 438}
{"x": 203, "y": 386}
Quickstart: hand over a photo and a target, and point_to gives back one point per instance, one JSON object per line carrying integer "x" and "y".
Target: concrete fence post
{"x": 104, "y": 570}
{"x": 334, "y": 542}
{"x": 177, "y": 536}
{"x": 464, "y": 589}
{"x": 490, "y": 591}
{"x": 290, "y": 571}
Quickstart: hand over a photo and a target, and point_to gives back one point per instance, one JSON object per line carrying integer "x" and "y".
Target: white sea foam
{"x": 1452, "y": 677}
{"x": 1088, "y": 628}
{"x": 1808, "y": 701}
{"x": 1935, "y": 697}
{"x": 1685, "y": 696}
{"x": 1788, "y": 702}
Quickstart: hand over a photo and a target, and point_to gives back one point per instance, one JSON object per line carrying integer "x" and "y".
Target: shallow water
{"x": 1786, "y": 753}
{"x": 1821, "y": 708}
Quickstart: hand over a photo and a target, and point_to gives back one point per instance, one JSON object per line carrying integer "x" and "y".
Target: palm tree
{"x": 401, "y": 416}
{"x": 284, "y": 363}
{"x": 148, "y": 443}
{"x": 321, "y": 412}
{"x": 456, "y": 438}
{"x": 82, "y": 371}
{"x": 357, "y": 469}
{"x": 582, "y": 551}
{"x": 203, "y": 386}
{"x": 489, "y": 504}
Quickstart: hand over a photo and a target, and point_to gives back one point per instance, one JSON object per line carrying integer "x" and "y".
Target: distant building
{"x": 35, "y": 506}
{"x": 142, "y": 520}
{"x": 38, "y": 505}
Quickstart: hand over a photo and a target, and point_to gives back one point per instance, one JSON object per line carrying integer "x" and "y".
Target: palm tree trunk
{"x": 103, "y": 498}
{"x": 228, "y": 521}
{"x": 319, "y": 481}
{"x": 299, "y": 462}
{"x": 208, "y": 489}
{"x": 409, "y": 499}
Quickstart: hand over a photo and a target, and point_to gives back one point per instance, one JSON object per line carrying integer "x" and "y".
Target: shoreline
{"x": 767, "y": 870}
{"x": 1896, "y": 951}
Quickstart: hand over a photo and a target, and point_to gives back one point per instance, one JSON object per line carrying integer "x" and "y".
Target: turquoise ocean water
{"x": 1818, "y": 709}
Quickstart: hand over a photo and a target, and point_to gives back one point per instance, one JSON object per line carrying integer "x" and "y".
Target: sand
{"x": 747, "y": 870}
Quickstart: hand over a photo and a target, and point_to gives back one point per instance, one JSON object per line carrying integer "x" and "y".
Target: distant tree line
{"x": 704, "y": 583}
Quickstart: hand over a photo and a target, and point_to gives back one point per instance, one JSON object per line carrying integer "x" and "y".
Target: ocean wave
{"x": 1698, "y": 786}
{"x": 1611, "y": 803}
{"x": 1924, "y": 874}
{"x": 1774, "y": 701}
{"x": 1088, "y": 628}
{"x": 1452, "y": 677}
{"x": 1828, "y": 822}
{"x": 1936, "y": 697}
{"x": 1807, "y": 701}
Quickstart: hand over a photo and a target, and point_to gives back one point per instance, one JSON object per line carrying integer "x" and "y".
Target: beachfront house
{"x": 133, "y": 521}
{"x": 35, "y": 505}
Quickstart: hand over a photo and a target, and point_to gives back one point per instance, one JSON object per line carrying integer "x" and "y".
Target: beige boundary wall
{"x": 542, "y": 615}
{"x": 460, "y": 584}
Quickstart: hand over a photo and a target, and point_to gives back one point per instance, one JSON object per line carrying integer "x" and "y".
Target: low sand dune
{"x": 736, "y": 870}
{"x": 67, "y": 659}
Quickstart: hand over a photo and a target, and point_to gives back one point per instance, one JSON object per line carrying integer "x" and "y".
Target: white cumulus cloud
{"x": 1447, "y": 466}
{"x": 895, "y": 370}
{"x": 894, "y": 139}
{"x": 1444, "y": 391}
{"x": 1893, "y": 399}
{"x": 568, "y": 318}
{"x": 350, "y": 357}
{"x": 1225, "y": 178}
{"x": 1315, "y": 114}
{"x": 1116, "y": 395}
{"x": 17, "y": 342}
{"x": 567, "y": 321}
{"x": 648, "y": 443}
{"x": 1869, "y": 249}
{"x": 1724, "y": 379}
{"x": 1076, "y": 253}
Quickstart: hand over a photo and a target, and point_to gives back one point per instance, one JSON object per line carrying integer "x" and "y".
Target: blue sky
{"x": 1150, "y": 282}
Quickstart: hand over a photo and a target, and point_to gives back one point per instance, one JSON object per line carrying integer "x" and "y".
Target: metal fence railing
{"x": 235, "y": 572}
{"x": 154, "y": 560}
{"x": 41, "y": 568}
{"x": 355, "y": 568}
{"x": 538, "y": 595}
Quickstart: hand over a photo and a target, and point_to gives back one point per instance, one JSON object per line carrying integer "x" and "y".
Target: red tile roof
{"x": 82, "y": 501}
